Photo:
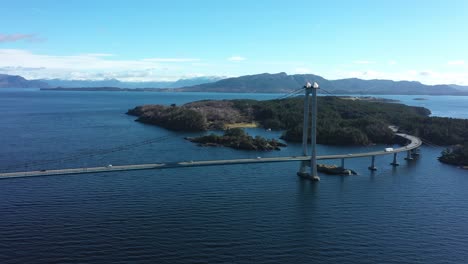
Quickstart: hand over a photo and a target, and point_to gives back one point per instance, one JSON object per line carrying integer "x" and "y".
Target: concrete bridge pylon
{"x": 310, "y": 109}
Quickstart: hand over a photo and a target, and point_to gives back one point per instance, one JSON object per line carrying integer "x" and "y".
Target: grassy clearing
{"x": 240, "y": 125}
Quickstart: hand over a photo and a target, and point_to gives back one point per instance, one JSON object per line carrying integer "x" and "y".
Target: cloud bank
{"x": 93, "y": 66}
{"x": 98, "y": 66}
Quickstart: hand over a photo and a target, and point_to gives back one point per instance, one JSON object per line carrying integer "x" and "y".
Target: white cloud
{"x": 104, "y": 66}
{"x": 23, "y": 58}
{"x": 97, "y": 54}
{"x": 236, "y": 58}
{"x": 89, "y": 66}
{"x": 392, "y": 62}
{"x": 456, "y": 62}
{"x": 171, "y": 60}
{"x": 18, "y": 37}
{"x": 363, "y": 62}
{"x": 9, "y": 68}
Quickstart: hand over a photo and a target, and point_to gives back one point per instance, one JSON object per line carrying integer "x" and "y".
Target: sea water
{"x": 258, "y": 213}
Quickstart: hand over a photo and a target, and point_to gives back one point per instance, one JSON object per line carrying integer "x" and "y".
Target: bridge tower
{"x": 310, "y": 109}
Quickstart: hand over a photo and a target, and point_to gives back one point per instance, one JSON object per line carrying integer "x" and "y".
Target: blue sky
{"x": 135, "y": 40}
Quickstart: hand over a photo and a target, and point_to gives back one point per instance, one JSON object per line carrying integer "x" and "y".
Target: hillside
{"x": 14, "y": 81}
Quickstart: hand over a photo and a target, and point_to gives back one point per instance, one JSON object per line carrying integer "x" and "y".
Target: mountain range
{"x": 15, "y": 81}
{"x": 120, "y": 84}
{"x": 282, "y": 82}
{"x": 258, "y": 83}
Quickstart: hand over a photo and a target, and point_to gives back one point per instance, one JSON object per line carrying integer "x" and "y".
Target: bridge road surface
{"x": 414, "y": 143}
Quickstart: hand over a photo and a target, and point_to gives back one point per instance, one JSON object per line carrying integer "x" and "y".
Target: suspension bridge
{"x": 308, "y": 161}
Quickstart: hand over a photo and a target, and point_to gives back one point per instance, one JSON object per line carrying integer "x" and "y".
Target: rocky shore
{"x": 334, "y": 170}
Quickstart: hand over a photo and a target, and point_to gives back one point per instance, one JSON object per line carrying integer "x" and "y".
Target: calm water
{"x": 445, "y": 106}
{"x": 260, "y": 213}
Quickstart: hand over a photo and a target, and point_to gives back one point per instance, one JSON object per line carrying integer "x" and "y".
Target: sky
{"x": 417, "y": 40}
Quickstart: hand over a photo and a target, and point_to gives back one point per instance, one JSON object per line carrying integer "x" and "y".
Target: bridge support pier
{"x": 342, "y": 163}
{"x": 310, "y": 107}
{"x": 408, "y": 155}
{"x": 305, "y": 126}
{"x": 372, "y": 166}
{"x": 303, "y": 168}
{"x": 303, "y": 173}
{"x": 395, "y": 162}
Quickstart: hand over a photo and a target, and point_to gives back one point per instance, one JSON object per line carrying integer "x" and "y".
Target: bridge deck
{"x": 414, "y": 143}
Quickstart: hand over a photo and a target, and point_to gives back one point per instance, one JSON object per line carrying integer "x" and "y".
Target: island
{"x": 456, "y": 155}
{"x": 237, "y": 138}
{"x": 340, "y": 121}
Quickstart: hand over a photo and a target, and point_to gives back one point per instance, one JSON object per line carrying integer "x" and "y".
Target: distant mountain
{"x": 282, "y": 82}
{"x": 15, "y": 81}
{"x": 259, "y": 83}
{"x": 459, "y": 87}
{"x": 354, "y": 85}
{"x": 119, "y": 84}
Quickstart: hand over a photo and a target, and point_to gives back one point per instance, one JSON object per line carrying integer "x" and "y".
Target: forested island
{"x": 237, "y": 138}
{"x": 340, "y": 122}
{"x": 456, "y": 155}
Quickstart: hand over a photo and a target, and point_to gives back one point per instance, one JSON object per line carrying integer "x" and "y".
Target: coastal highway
{"x": 414, "y": 143}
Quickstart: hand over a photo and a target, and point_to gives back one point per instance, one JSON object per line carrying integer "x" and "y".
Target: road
{"x": 414, "y": 143}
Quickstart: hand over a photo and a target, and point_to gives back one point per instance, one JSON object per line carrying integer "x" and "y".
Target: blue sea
{"x": 258, "y": 213}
